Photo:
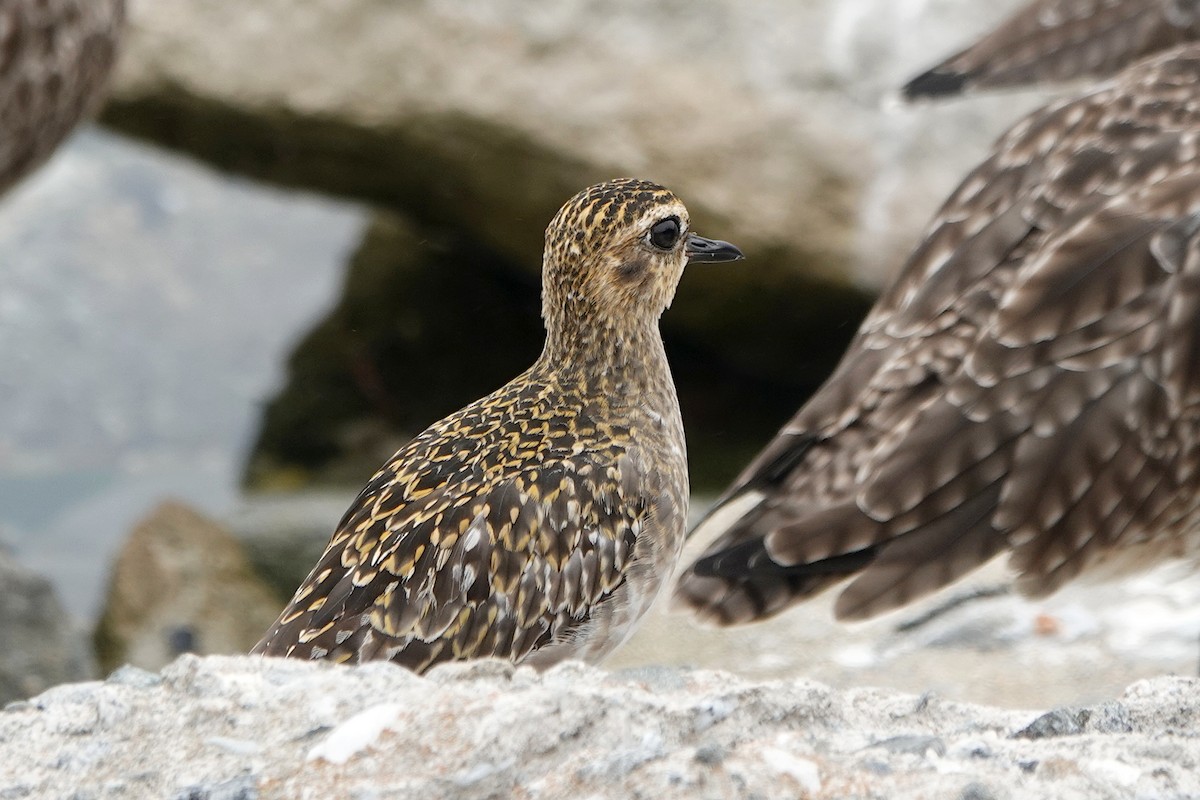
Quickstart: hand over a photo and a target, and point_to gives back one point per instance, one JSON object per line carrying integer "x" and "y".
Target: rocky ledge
{"x": 243, "y": 727}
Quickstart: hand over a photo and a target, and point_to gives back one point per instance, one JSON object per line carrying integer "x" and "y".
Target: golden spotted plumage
{"x": 539, "y": 522}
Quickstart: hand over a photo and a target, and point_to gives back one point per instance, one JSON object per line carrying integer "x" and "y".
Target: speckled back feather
{"x": 1060, "y": 40}
{"x": 1029, "y": 383}
{"x": 55, "y": 58}
{"x": 538, "y": 522}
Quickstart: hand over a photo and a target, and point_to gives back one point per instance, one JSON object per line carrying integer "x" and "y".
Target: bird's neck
{"x": 624, "y": 356}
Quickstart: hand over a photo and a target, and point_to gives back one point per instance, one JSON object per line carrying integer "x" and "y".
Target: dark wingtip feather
{"x": 789, "y": 452}
{"x": 935, "y": 83}
{"x": 750, "y": 559}
{"x": 720, "y": 593}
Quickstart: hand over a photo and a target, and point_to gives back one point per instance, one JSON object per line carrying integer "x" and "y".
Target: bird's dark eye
{"x": 665, "y": 233}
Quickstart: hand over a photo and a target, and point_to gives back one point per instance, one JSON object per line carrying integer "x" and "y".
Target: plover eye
{"x": 665, "y": 233}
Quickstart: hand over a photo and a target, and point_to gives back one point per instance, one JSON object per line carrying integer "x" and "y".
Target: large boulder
{"x": 769, "y": 118}
{"x": 487, "y": 119}
{"x": 181, "y": 583}
{"x": 270, "y": 728}
{"x": 40, "y": 645}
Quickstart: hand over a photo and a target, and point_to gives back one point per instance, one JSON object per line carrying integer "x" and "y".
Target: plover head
{"x": 615, "y": 253}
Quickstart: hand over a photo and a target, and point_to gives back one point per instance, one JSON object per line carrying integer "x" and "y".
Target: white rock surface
{"x": 223, "y": 727}
{"x": 1080, "y": 646}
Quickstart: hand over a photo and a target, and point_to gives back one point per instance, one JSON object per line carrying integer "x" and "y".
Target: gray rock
{"x": 144, "y": 322}
{"x": 976, "y": 791}
{"x": 487, "y": 118}
{"x": 182, "y": 583}
{"x": 130, "y": 675}
{"x": 1109, "y": 718}
{"x": 254, "y": 727}
{"x": 39, "y": 643}
{"x": 243, "y": 787}
{"x": 913, "y": 745}
{"x": 768, "y": 117}
{"x": 1060, "y": 722}
{"x": 710, "y": 754}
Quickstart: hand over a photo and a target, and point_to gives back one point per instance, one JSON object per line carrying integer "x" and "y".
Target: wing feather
{"x": 1029, "y": 383}
{"x": 449, "y": 552}
{"x": 1060, "y": 40}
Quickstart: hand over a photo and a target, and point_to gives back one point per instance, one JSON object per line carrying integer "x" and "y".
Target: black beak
{"x": 710, "y": 250}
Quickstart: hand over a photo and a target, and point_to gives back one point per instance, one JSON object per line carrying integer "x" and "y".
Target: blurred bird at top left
{"x": 55, "y": 59}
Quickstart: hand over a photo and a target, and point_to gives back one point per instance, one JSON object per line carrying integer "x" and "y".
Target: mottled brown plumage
{"x": 1029, "y": 384}
{"x": 55, "y": 58}
{"x": 538, "y": 523}
{"x": 1059, "y": 40}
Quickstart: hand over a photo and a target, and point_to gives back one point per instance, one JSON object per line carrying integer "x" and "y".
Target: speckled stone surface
{"x": 251, "y": 728}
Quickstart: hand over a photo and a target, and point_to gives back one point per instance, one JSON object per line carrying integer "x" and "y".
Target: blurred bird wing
{"x": 791, "y": 525}
{"x": 468, "y": 570}
{"x": 1046, "y": 362}
{"x": 1110, "y": 453}
{"x": 977, "y": 230}
{"x": 1056, "y": 438}
{"x": 1052, "y": 170}
{"x": 1060, "y": 40}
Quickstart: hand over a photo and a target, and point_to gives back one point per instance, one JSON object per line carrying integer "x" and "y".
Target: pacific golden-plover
{"x": 55, "y": 59}
{"x": 1059, "y": 40}
{"x": 539, "y": 523}
{"x": 1030, "y": 383}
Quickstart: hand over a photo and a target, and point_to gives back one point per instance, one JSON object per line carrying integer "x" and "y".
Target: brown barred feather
{"x": 55, "y": 59}
{"x": 1059, "y": 40}
{"x": 1029, "y": 383}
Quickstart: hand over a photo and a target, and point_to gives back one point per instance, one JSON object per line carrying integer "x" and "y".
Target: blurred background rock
{"x": 181, "y": 584}
{"x": 40, "y": 645}
{"x": 301, "y": 232}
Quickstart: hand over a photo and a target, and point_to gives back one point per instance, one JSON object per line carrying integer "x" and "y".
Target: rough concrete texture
{"x": 774, "y": 120}
{"x": 181, "y": 584}
{"x": 40, "y": 644}
{"x": 224, "y": 727}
